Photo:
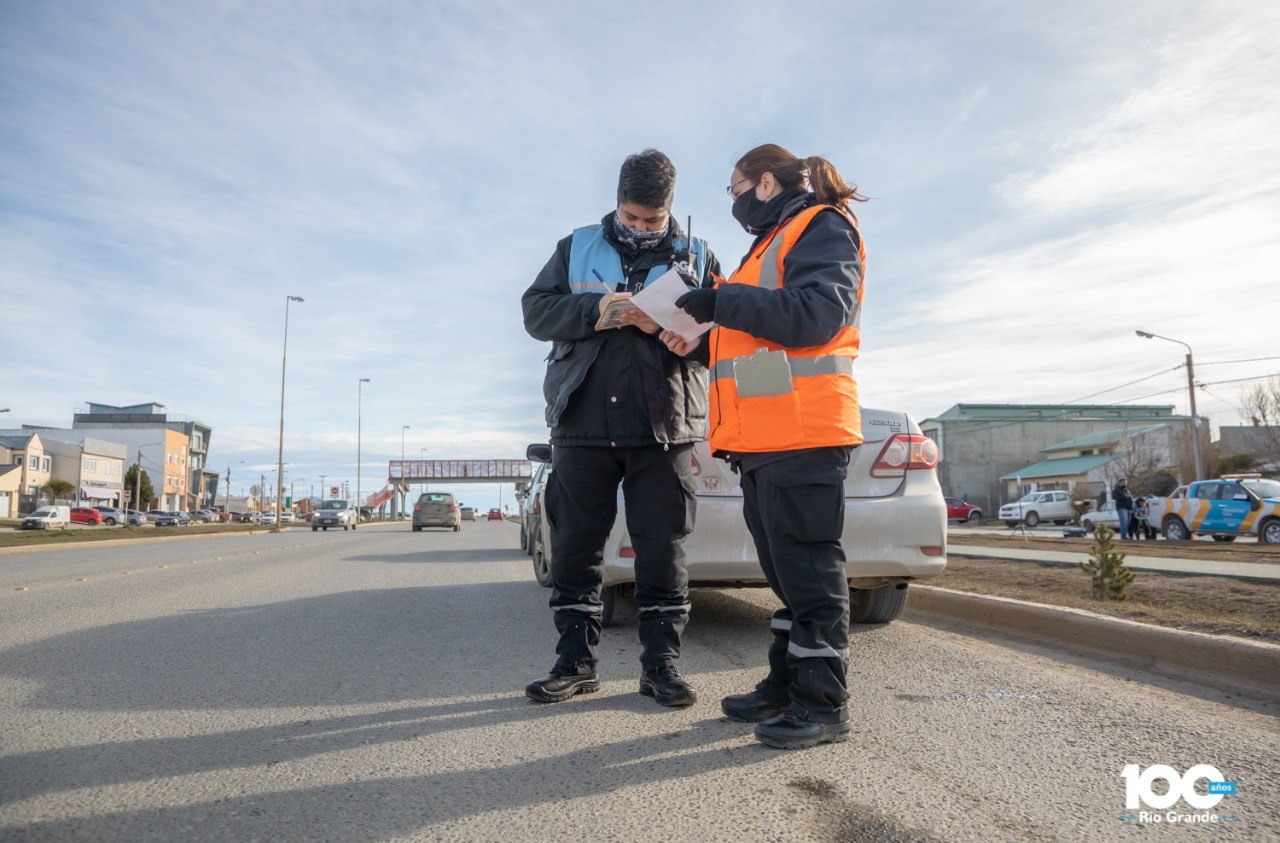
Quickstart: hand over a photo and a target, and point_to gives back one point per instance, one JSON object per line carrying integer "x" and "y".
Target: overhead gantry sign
{"x": 409, "y": 472}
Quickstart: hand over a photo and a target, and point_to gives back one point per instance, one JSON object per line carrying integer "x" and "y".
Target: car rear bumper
{"x": 883, "y": 538}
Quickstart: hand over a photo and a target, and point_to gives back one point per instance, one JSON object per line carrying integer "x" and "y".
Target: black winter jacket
{"x": 618, "y": 388}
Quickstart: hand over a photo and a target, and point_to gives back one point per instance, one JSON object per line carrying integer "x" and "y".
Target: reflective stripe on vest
{"x": 596, "y": 267}
{"x": 821, "y": 409}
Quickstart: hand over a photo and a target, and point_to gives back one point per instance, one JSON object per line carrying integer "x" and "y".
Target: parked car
{"x": 136, "y": 518}
{"x": 110, "y": 515}
{"x": 494, "y": 515}
{"x": 436, "y": 509}
{"x": 204, "y": 516}
{"x": 468, "y": 513}
{"x": 959, "y": 510}
{"x": 47, "y": 518}
{"x": 1234, "y": 505}
{"x": 531, "y": 506}
{"x": 286, "y": 516}
{"x": 85, "y": 515}
{"x": 1105, "y": 514}
{"x": 184, "y": 516}
{"x": 164, "y": 519}
{"x": 334, "y": 513}
{"x": 267, "y": 516}
{"x": 1035, "y": 507}
{"x": 895, "y": 523}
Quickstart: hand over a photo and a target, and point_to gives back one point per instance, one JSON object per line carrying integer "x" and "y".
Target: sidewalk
{"x": 1242, "y": 570}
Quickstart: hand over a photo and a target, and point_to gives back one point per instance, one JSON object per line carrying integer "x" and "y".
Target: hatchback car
{"x": 334, "y": 513}
{"x": 961, "y": 510}
{"x": 495, "y": 515}
{"x": 110, "y": 515}
{"x": 436, "y": 509}
{"x": 468, "y": 513}
{"x": 85, "y": 515}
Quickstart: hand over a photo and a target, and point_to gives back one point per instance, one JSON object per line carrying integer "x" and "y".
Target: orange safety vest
{"x": 821, "y": 410}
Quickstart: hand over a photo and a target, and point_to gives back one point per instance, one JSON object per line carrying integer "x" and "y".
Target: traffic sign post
{"x": 128, "y": 496}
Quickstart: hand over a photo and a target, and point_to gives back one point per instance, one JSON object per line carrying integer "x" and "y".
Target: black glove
{"x": 700, "y": 304}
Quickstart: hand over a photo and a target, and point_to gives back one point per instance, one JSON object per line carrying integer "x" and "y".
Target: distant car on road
{"x": 85, "y": 515}
{"x": 468, "y": 513}
{"x": 436, "y": 509}
{"x": 1035, "y": 507}
{"x": 495, "y": 515}
{"x": 334, "y": 513}
{"x": 959, "y": 510}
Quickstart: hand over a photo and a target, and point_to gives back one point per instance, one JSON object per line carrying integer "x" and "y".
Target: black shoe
{"x": 667, "y": 688}
{"x": 791, "y": 731}
{"x": 558, "y": 686}
{"x": 753, "y": 707}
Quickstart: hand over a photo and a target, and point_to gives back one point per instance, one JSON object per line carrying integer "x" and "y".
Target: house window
{"x": 44, "y": 464}
{"x": 34, "y": 464}
{"x": 90, "y": 465}
{"x": 17, "y": 459}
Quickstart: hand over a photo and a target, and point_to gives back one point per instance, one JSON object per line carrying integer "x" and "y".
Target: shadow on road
{"x": 469, "y": 556}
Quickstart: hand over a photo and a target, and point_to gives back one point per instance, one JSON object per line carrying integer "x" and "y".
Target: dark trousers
{"x": 794, "y": 508}
{"x": 582, "y": 504}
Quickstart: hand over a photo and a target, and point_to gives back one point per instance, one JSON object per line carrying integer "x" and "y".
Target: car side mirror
{"x": 538, "y": 453}
{"x": 1255, "y": 504}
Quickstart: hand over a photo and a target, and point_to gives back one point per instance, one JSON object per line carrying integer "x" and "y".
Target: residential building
{"x": 162, "y": 453}
{"x": 198, "y": 485}
{"x": 25, "y": 448}
{"x": 94, "y": 467}
{"x": 978, "y": 444}
{"x": 1093, "y": 463}
{"x": 10, "y": 484}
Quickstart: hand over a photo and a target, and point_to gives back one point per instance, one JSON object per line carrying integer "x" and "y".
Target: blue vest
{"x": 596, "y": 267}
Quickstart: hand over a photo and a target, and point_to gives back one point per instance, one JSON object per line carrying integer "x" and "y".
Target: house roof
{"x": 1052, "y": 412}
{"x": 5, "y": 469}
{"x": 15, "y": 441}
{"x": 1059, "y": 468}
{"x": 1105, "y": 437}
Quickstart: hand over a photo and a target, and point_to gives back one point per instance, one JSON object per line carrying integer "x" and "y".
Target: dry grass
{"x": 35, "y": 538}
{"x": 1205, "y": 604}
{"x": 1241, "y": 550}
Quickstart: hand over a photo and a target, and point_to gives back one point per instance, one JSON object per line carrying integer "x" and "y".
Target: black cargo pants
{"x": 794, "y": 508}
{"x": 582, "y": 504}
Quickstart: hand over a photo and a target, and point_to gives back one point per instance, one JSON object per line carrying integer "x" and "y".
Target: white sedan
{"x": 895, "y": 523}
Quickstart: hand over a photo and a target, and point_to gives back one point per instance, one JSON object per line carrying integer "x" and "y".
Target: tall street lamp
{"x": 283, "y": 359}
{"x": 359, "y": 429}
{"x": 1191, "y": 391}
{"x": 400, "y": 480}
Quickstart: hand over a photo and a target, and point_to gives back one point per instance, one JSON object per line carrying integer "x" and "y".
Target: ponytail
{"x": 828, "y": 186}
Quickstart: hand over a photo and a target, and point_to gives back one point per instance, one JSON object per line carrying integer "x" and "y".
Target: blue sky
{"x": 1045, "y": 180}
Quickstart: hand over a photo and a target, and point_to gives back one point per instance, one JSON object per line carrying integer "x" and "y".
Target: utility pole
{"x": 1191, "y": 392}
{"x": 323, "y": 493}
{"x": 137, "y": 481}
{"x": 284, "y": 356}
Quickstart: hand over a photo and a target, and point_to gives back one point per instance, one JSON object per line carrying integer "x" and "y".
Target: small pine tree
{"x": 1111, "y": 579}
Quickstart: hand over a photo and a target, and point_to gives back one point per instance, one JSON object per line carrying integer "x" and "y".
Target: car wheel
{"x": 1270, "y": 532}
{"x": 110, "y": 522}
{"x": 609, "y": 599}
{"x": 1011, "y": 524}
{"x": 1175, "y": 530}
{"x": 877, "y": 605}
{"x": 1031, "y": 519}
{"x": 974, "y": 517}
{"x": 1086, "y": 525}
{"x": 456, "y": 528}
{"x": 541, "y": 564}
{"x": 1224, "y": 538}
{"x": 417, "y": 529}
{"x": 313, "y": 529}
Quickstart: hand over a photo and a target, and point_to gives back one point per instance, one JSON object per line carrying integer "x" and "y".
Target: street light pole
{"x": 284, "y": 356}
{"x": 359, "y": 434}
{"x": 1191, "y": 392}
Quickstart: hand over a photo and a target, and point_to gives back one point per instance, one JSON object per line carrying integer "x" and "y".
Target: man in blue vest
{"x": 623, "y": 409}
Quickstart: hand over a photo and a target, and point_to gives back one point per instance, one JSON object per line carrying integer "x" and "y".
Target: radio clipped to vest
{"x": 763, "y": 374}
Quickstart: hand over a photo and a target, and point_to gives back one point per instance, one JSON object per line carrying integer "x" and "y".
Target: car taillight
{"x": 627, "y": 552}
{"x": 453, "y": 509}
{"x": 417, "y": 507}
{"x": 905, "y": 452}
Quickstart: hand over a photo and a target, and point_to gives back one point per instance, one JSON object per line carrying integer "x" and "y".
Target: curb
{"x": 1135, "y": 563}
{"x": 127, "y": 542}
{"x": 1238, "y": 663}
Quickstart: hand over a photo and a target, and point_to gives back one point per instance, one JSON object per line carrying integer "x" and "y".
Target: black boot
{"x": 560, "y": 684}
{"x": 667, "y": 688}
{"x": 792, "y": 731}
{"x": 763, "y": 703}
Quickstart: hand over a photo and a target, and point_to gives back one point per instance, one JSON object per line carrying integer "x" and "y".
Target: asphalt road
{"x": 367, "y": 686}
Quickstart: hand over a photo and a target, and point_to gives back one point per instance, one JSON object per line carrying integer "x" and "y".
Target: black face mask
{"x": 745, "y": 207}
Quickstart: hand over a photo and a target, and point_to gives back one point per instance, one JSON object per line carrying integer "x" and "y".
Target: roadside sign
{"x": 333, "y": 491}
{"x": 128, "y": 496}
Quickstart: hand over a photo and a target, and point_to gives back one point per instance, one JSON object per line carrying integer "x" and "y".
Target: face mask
{"x": 744, "y": 207}
{"x": 634, "y": 238}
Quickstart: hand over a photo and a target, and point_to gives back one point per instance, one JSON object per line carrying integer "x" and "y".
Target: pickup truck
{"x": 1035, "y": 507}
{"x": 1231, "y": 506}
{"x": 895, "y": 524}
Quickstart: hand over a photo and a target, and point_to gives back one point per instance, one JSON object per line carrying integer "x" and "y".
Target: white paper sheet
{"x": 658, "y": 300}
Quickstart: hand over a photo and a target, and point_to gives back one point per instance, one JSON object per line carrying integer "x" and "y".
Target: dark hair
{"x": 647, "y": 178}
{"x": 791, "y": 172}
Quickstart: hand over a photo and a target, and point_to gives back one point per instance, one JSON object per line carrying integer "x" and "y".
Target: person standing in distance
{"x": 784, "y": 413}
{"x": 622, "y": 408}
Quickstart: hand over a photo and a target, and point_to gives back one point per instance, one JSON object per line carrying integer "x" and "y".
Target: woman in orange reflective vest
{"x": 784, "y": 413}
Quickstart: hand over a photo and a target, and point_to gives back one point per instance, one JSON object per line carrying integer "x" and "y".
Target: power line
{"x": 1225, "y": 362}
{"x": 1130, "y": 383}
